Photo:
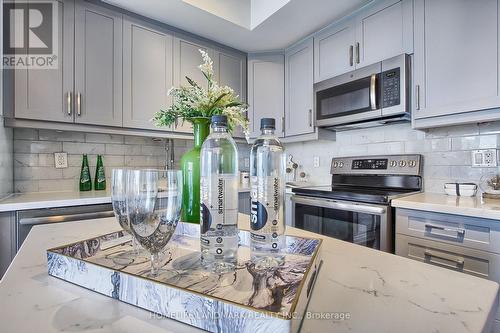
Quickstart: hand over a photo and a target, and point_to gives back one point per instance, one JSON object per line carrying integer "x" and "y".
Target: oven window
{"x": 345, "y": 99}
{"x": 357, "y": 228}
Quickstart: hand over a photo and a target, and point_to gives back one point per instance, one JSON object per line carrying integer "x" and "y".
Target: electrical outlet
{"x": 316, "y": 161}
{"x": 484, "y": 158}
{"x": 61, "y": 160}
{"x": 247, "y": 162}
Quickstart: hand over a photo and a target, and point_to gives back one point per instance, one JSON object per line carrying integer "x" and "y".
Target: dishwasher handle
{"x": 65, "y": 218}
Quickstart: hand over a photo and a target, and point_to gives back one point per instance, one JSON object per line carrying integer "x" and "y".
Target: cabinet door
{"x": 333, "y": 51}
{"x": 147, "y": 73}
{"x": 187, "y": 58}
{"x": 98, "y": 65}
{"x": 299, "y": 89}
{"x": 231, "y": 70}
{"x": 47, "y": 94}
{"x": 384, "y": 31}
{"x": 266, "y": 91}
{"x": 456, "y": 57}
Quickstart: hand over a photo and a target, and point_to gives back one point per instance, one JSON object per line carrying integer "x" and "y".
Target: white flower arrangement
{"x": 193, "y": 101}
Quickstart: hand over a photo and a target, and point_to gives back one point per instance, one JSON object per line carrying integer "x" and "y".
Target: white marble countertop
{"x": 381, "y": 292}
{"x": 36, "y": 200}
{"x": 442, "y": 203}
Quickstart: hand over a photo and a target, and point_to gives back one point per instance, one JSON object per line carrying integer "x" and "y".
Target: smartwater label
{"x": 265, "y": 208}
{"x": 219, "y": 201}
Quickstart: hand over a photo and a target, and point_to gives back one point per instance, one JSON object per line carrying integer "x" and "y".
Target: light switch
{"x": 61, "y": 160}
{"x": 484, "y": 158}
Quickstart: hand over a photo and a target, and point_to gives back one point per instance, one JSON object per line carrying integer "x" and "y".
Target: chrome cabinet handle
{"x": 459, "y": 231}
{"x": 373, "y": 93}
{"x": 283, "y": 124}
{"x": 357, "y": 52}
{"x": 310, "y": 117}
{"x": 317, "y": 202}
{"x": 351, "y": 62}
{"x": 68, "y": 101}
{"x": 457, "y": 260}
{"x": 417, "y": 97}
{"x": 79, "y": 104}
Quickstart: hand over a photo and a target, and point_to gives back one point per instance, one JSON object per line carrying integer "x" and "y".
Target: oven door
{"x": 348, "y": 98}
{"x": 358, "y": 223}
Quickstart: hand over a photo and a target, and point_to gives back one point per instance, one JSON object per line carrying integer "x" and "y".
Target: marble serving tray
{"x": 245, "y": 300}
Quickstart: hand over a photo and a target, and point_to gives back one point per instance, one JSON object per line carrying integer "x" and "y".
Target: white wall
{"x": 446, "y": 151}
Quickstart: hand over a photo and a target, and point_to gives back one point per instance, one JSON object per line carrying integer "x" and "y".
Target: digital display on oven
{"x": 370, "y": 164}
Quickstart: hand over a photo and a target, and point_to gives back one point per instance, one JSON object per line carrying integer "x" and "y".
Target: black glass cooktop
{"x": 358, "y": 194}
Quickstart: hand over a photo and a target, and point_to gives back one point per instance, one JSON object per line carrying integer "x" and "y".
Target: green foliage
{"x": 193, "y": 101}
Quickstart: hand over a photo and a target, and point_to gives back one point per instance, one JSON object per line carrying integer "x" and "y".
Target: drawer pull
{"x": 457, "y": 260}
{"x": 460, "y": 232}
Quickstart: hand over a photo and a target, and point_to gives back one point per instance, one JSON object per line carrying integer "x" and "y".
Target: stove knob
{"x": 412, "y": 163}
{"x": 341, "y": 164}
{"x": 394, "y": 163}
{"x": 402, "y": 164}
{"x": 335, "y": 164}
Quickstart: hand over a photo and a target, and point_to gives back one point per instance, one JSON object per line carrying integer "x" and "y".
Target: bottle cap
{"x": 267, "y": 123}
{"x": 220, "y": 120}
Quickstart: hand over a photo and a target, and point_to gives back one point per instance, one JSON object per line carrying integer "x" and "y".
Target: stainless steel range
{"x": 357, "y": 206}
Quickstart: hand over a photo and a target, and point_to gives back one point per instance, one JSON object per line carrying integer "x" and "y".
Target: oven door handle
{"x": 325, "y": 203}
{"x": 373, "y": 91}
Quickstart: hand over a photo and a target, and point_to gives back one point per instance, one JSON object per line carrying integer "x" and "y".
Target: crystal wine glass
{"x": 119, "y": 179}
{"x": 154, "y": 206}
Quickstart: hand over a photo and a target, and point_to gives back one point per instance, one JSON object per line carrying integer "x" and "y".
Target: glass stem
{"x": 155, "y": 263}
{"x": 136, "y": 245}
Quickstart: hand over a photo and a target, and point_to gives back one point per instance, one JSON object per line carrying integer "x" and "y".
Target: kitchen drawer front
{"x": 469, "y": 261}
{"x": 475, "y": 233}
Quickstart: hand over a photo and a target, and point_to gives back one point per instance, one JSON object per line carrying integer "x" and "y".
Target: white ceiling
{"x": 247, "y": 25}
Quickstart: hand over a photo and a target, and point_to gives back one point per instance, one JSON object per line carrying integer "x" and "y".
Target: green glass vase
{"x": 190, "y": 166}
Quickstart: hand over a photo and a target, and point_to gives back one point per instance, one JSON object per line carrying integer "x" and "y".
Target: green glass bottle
{"x": 190, "y": 166}
{"x": 85, "y": 181}
{"x": 100, "y": 177}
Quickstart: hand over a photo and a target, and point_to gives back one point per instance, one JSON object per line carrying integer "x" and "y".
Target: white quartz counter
{"x": 378, "y": 292}
{"x": 36, "y": 200}
{"x": 442, "y": 203}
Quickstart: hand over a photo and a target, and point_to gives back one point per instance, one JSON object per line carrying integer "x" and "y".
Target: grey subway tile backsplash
{"x": 447, "y": 151}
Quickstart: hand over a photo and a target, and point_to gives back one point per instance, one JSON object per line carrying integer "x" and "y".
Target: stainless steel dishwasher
{"x": 26, "y": 219}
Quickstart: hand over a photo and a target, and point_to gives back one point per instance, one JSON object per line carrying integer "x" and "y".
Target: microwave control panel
{"x": 391, "y": 87}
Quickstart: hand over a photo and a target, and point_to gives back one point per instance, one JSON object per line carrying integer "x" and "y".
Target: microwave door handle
{"x": 373, "y": 92}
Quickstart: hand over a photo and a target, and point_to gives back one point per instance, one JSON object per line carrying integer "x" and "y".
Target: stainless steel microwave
{"x": 375, "y": 94}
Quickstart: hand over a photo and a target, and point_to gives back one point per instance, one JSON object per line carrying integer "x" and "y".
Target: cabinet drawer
{"x": 474, "y": 262}
{"x": 475, "y": 233}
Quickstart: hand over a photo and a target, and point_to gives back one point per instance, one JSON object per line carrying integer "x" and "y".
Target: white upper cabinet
{"x": 382, "y": 30}
{"x": 48, "y": 94}
{"x": 231, "y": 70}
{"x": 266, "y": 93}
{"x": 299, "y": 89}
{"x": 98, "y": 65}
{"x": 333, "y": 51}
{"x": 147, "y": 73}
{"x": 456, "y": 64}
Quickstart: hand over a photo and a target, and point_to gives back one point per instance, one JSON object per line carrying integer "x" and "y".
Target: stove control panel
{"x": 383, "y": 165}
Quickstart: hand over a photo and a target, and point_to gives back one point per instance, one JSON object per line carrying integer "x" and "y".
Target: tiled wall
{"x": 6, "y": 162}
{"x": 446, "y": 151}
{"x": 34, "y": 150}
{"x": 34, "y": 156}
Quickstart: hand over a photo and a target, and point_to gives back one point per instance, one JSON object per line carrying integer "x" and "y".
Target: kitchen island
{"x": 358, "y": 290}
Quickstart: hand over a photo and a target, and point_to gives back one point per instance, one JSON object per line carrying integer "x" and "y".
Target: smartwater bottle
{"x": 219, "y": 198}
{"x": 267, "y": 190}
